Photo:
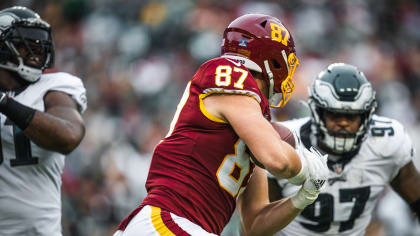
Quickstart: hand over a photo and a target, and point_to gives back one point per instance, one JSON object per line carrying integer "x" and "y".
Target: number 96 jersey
{"x": 200, "y": 167}
{"x": 346, "y": 205}
{"x": 30, "y": 177}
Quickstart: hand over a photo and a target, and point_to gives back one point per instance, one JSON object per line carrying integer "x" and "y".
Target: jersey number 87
{"x": 234, "y": 169}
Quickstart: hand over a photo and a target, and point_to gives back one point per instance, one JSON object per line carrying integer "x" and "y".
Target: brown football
{"x": 285, "y": 134}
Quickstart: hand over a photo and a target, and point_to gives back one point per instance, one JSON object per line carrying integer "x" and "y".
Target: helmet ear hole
{"x": 275, "y": 63}
{"x": 320, "y": 113}
{"x": 263, "y": 23}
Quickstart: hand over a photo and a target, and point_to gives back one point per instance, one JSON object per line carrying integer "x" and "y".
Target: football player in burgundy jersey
{"x": 200, "y": 169}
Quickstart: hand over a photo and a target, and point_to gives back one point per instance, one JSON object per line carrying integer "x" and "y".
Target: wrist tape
{"x": 303, "y": 198}
{"x": 300, "y": 178}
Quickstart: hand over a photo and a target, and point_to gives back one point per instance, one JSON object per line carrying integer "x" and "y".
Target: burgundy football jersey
{"x": 200, "y": 167}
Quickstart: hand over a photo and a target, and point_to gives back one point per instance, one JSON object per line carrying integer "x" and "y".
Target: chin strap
{"x": 271, "y": 79}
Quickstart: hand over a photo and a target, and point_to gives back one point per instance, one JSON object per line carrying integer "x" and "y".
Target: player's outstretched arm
{"x": 60, "y": 128}
{"x": 406, "y": 185}
{"x": 260, "y": 217}
{"x": 243, "y": 113}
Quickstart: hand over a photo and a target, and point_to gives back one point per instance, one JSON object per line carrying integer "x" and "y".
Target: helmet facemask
{"x": 281, "y": 90}
{"x": 340, "y": 142}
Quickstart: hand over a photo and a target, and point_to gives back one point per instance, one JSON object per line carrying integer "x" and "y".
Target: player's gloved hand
{"x": 313, "y": 185}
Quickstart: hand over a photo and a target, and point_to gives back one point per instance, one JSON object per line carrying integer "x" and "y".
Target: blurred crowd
{"x": 136, "y": 56}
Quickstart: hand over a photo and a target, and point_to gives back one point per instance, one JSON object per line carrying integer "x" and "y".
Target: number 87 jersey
{"x": 200, "y": 167}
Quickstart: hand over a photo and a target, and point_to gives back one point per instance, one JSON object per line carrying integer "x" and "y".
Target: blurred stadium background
{"x": 135, "y": 58}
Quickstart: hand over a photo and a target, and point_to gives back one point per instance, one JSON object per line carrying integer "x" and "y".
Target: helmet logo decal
{"x": 243, "y": 42}
{"x": 277, "y": 33}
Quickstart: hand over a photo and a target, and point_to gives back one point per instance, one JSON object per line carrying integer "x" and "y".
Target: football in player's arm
{"x": 40, "y": 117}
{"x": 366, "y": 153}
{"x": 202, "y": 165}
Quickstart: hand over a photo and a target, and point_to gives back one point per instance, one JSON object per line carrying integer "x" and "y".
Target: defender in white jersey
{"x": 366, "y": 153}
{"x": 40, "y": 117}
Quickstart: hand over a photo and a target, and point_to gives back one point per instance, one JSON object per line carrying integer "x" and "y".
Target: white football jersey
{"x": 346, "y": 205}
{"x": 30, "y": 177}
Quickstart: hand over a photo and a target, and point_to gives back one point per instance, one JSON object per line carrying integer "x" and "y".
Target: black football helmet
{"x": 26, "y": 45}
{"x": 341, "y": 88}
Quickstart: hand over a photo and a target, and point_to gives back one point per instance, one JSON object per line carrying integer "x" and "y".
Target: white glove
{"x": 318, "y": 174}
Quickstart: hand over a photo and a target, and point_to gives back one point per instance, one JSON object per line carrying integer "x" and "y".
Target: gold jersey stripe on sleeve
{"x": 206, "y": 113}
{"x": 211, "y": 91}
{"x": 158, "y": 222}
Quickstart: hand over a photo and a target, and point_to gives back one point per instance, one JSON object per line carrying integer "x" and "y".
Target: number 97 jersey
{"x": 201, "y": 166}
{"x": 346, "y": 205}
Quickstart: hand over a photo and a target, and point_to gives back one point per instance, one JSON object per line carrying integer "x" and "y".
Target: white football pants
{"x": 151, "y": 221}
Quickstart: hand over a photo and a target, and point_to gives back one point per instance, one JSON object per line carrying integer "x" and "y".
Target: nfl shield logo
{"x": 338, "y": 168}
{"x": 243, "y": 43}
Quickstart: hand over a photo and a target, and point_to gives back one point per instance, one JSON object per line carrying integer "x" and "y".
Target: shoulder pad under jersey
{"x": 225, "y": 75}
{"x": 389, "y": 139}
{"x": 66, "y": 83}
